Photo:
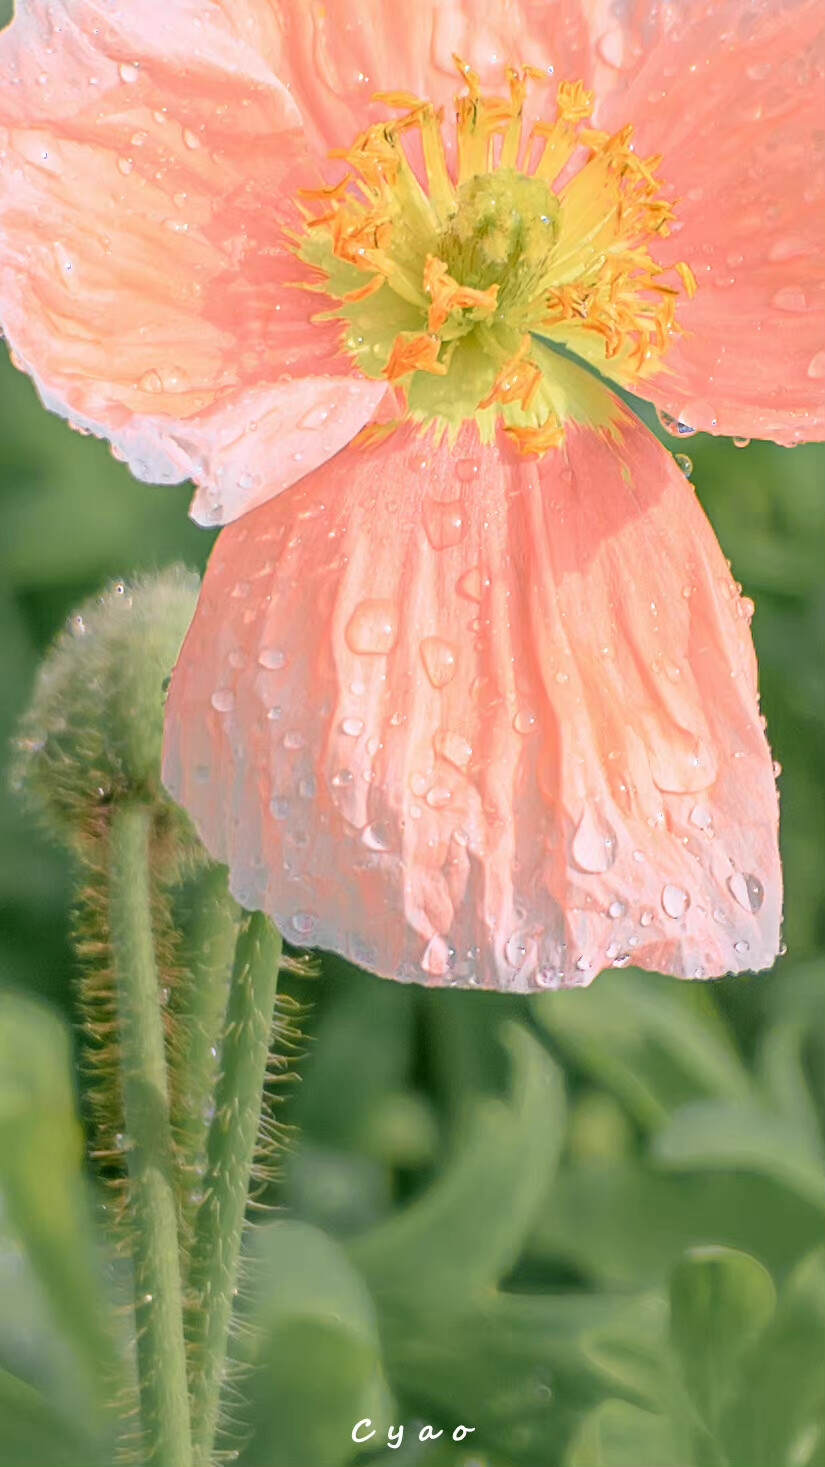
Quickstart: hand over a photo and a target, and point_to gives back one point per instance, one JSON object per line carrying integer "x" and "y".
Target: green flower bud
{"x": 93, "y": 734}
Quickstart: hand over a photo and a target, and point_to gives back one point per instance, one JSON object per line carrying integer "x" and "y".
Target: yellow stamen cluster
{"x": 447, "y": 284}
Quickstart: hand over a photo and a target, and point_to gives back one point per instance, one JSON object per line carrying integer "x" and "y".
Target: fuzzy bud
{"x": 93, "y": 734}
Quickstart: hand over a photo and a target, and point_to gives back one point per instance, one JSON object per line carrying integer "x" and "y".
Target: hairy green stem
{"x": 199, "y": 1008}
{"x": 231, "y": 1153}
{"x": 152, "y": 1206}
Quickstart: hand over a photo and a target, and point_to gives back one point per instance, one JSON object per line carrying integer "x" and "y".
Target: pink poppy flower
{"x": 475, "y": 700}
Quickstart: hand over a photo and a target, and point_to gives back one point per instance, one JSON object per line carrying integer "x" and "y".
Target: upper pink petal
{"x": 733, "y": 98}
{"x": 146, "y": 155}
{"x": 470, "y": 718}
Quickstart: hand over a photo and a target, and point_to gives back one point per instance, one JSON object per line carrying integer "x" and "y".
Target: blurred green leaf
{"x": 34, "y": 1435}
{"x": 720, "y": 1303}
{"x": 654, "y": 1041}
{"x": 748, "y": 1137}
{"x": 618, "y": 1434}
{"x": 315, "y": 1350}
{"x": 467, "y": 1231}
{"x": 625, "y": 1223}
{"x": 46, "y": 1206}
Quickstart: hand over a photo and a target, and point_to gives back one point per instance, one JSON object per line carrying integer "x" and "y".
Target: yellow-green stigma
{"x": 445, "y": 287}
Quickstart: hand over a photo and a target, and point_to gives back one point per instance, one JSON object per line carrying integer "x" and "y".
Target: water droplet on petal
{"x": 352, "y": 727}
{"x": 701, "y": 818}
{"x": 272, "y": 658}
{"x": 790, "y": 298}
{"x": 685, "y": 463}
{"x": 444, "y": 522}
{"x": 439, "y": 660}
{"x": 191, "y": 139}
{"x": 471, "y": 584}
{"x": 373, "y": 627}
{"x": 816, "y": 366}
{"x": 435, "y": 959}
{"x": 675, "y": 900}
{"x": 150, "y": 382}
{"x": 674, "y": 425}
{"x": 646, "y": 917}
{"x": 125, "y": 166}
{"x": 594, "y": 846}
{"x": 466, "y": 470}
{"x": 616, "y": 909}
{"x": 741, "y": 946}
{"x": 129, "y": 71}
{"x": 377, "y": 836}
{"x": 315, "y": 418}
{"x": 304, "y": 923}
{"x": 341, "y": 778}
{"x": 438, "y": 796}
{"x": 223, "y": 699}
{"x": 741, "y": 442}
{"x": 747, "y": 890}
{"x": 525, "y": 721}
{"x": 279, "y": 807}
{"x": 293, "y": 740}
{"x": 450, "y": 746}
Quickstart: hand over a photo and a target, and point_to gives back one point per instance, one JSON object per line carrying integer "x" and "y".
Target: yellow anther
{"x": 414, "y": 353}
{"x": 447, "y": 295}
{"x": 573, "y": 102}
{"x": 687, "y": 278}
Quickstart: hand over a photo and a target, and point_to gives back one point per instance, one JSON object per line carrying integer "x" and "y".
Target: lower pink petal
{"x": 733, "y": 98}
{"x": 470, "y": 718}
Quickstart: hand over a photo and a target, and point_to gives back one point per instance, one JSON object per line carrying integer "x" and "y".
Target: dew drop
{"x": 373, "y": 627}
{"x": 435, "y": 959}
{"x": 150, "y": 382}
{"x": 646, "y": 917}
{"x": 453, "y": 747}
{"x": 525, "y": 721}
{"x": 741, "y": 946}
{"x": 747, "y": 890}
{"x": 377, "y": 837}
{"x": 685, "y": 463}
{"x": 516, "y": 949}
{"x": 125, "y": 166}
{"x": 315, "y": 418}
{"x": 304, "y": 923}
{"x": 741, "y": 442}
{"x": 293, "y": 739}
{"x": 816, "y": 366}
{"x": 274, "y": 713}
{"x": 594, "y": 846}
{"x": 223, "y": 700}
{"x": 701, "y": 818}
{"x": 466, "y": 470}
{"x": 675, "y": 900}
{"x": 191, "y": 139}
{"x": 790, "y": 298}
{"x": 272, "y": 658}
{"x": 439, "y": 660}
{"x": 129, "y": 71}
{"x": 444, "y": 522}
{"x": 471, "y": 584}
{"x": 617, "y": 909}
{"x": 352, "y": 727}
{"x": 279, "y": 807}
{"x": 674, "y": 426}
{"x": 341, "y": 778}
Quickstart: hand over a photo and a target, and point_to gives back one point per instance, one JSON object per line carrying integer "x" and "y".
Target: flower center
{"x": 447, "y": 282}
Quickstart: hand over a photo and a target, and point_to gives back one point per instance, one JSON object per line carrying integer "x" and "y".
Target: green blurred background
{"x": 589, "y": 1225}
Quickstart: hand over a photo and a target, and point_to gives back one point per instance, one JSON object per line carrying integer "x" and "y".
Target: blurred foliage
{"x": 587, "y": 1225}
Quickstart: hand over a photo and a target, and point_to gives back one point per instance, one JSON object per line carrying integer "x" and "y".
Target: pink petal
{"x": 335, "y": 56}
{"x": 470, "y": 718}
{"x": 734, "y": 100}
{"x": 145, "y": 157}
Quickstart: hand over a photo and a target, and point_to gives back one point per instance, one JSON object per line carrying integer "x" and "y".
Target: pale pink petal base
{"x": 473, "y": 719}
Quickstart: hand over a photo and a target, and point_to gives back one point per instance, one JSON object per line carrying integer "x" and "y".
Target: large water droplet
{"x": 594, "y": 846}
{"x": 790, "y": 298}
{"x": 674, "y": 425}
{"x": 150, "y": 382}
{"x": 444, "y": 522}
{"x": 747, "y": 890}
{"x": 816, "y": 366}
{"x": 352, "y": 727}
{"x": 741, "y": 442}
{"x": 223, "y": 700}
{"x": 373, "y": 627}
{"x": 453, "y": 747}
{"x": 466, "y": 470}
{"x": 675, "y": 900}
{"x": 525, "y": 721}
{"x": 377, "y": 836}
{"x": 191, "y": 139}
{"x": 272, "y": 658}
{"x": 439, "y": 658}
{"x": 684, "y": 462}
{"x": 701, "y": 818}
{"x": 129, "y": 71}
{"x": 471, "y": 584}
{"x": 435, "y": 959}
{"x": 315, "y": 418}
{"x": 304, "y": 923}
